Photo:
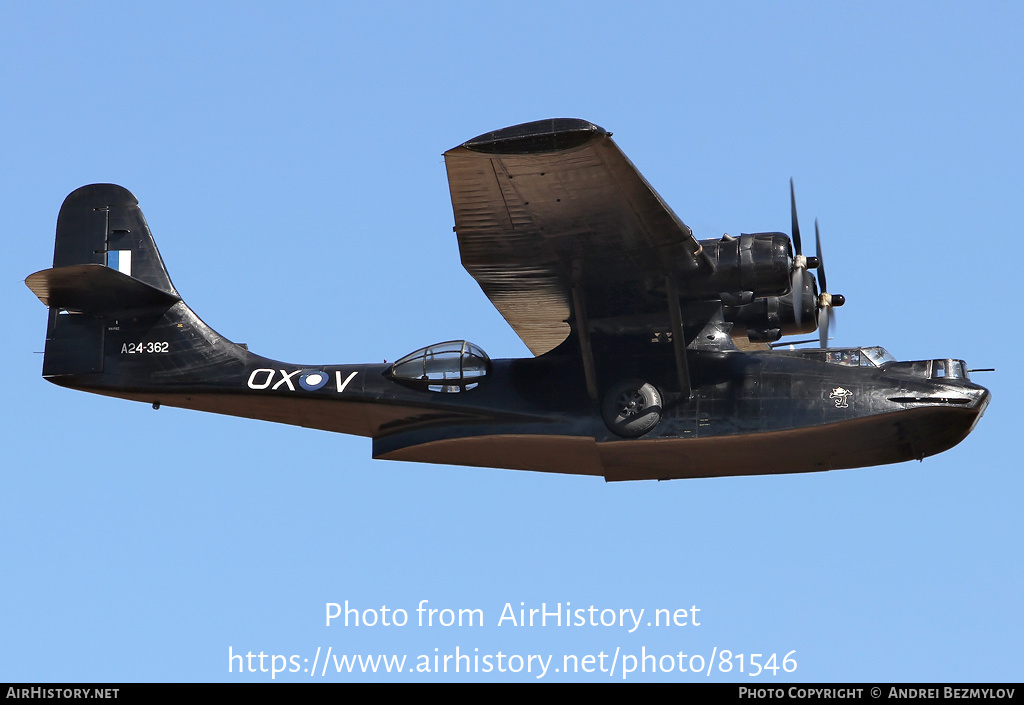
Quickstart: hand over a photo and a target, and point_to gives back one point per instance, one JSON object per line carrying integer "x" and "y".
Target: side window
{"x": 844, "y": 357}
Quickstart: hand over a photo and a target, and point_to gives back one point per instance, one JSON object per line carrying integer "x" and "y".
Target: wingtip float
{"x": 636, "y": 326}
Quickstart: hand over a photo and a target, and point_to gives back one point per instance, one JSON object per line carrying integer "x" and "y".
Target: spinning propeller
{"x": 804, "y": 291}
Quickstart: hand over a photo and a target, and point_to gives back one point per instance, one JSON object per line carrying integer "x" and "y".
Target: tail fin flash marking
{"x": 121, "y": 260}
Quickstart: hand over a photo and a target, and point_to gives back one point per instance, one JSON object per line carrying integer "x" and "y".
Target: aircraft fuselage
{"x": 747, "y": 413}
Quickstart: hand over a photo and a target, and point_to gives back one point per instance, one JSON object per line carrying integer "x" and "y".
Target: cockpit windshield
{"x": 878, "y": 356}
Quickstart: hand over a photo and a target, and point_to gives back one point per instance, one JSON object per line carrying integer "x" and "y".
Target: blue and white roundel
{"x": 312, "y": 381}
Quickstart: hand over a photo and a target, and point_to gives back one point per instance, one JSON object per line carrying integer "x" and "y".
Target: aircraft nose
{"x": 981, "y": 399}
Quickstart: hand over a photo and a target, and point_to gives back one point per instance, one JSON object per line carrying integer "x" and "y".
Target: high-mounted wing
{"x": 556, "y": 224}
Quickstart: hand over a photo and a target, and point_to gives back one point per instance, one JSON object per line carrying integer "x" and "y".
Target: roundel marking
{"x": 312, "y": 381}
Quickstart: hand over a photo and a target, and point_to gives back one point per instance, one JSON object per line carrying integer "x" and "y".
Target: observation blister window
{"x": 450, "y": 367}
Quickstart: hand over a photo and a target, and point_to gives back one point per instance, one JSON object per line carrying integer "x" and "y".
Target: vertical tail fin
{"x": 103, "y": 224}
{"x": 109, "y": 295}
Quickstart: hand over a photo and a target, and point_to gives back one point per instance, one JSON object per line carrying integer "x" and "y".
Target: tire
{"x": 631, "y": 408}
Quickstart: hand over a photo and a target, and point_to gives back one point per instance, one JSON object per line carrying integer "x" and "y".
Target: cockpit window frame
{"x": 877, "y": 355}
{"x": 873, "y": 356}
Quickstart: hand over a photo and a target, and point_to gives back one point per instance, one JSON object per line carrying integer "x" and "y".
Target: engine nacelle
{"x": 767, "y": 319}
{"x": 759, "y": 263}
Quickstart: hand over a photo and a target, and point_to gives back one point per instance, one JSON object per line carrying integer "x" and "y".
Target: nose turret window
{"x": 452, "y": 366}
{"x": 948, "y": 369}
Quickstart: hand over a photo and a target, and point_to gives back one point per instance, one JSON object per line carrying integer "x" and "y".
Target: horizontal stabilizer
{"x": 95, "y": 288}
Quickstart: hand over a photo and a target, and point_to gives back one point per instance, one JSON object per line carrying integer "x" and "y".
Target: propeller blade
{"x": 797, "y": 294}
{"x": 824, "y": 323}
{"x": 827, "y": 302}
{"x": 820, "y": 302}
{"x": 796, "y": 224}
{"x": 821, "y": 260}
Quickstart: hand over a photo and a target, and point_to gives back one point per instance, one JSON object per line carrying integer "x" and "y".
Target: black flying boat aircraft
{"x": 651, "y": 347}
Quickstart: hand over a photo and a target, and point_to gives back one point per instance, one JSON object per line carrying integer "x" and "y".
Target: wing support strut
{"x": 583, "y": 332}
{"x": 678, "y": 339}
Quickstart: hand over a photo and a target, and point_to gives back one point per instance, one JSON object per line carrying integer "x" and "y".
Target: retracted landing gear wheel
{"x": 631, "y": 408}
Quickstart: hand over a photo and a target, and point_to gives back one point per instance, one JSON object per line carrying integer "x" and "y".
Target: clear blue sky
{"x": 288, "y": 159}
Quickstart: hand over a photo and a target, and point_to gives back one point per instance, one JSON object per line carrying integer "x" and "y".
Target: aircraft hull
{"x": 777, "y": 413}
